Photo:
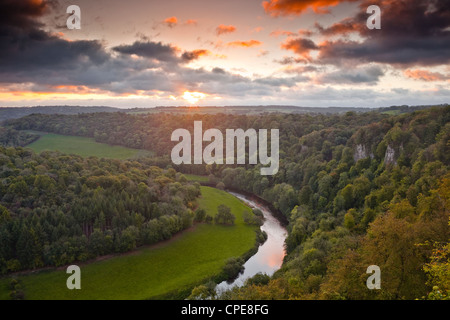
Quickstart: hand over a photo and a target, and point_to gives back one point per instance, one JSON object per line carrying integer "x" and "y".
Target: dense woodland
{"x": 13, "y": 138}
{"x": 56, "y": 209}
{"x": 358, "y": 189}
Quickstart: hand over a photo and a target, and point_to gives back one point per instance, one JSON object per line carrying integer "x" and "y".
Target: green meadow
{"x": 85, "y": 147}
{"x": 153, "y": 272}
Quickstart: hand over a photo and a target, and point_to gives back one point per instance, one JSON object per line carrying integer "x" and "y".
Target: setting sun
{"x": 193, "y": 97}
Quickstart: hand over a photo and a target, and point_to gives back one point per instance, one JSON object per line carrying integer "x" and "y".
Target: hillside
{"x": 358, "y": 189}
{"x": 16, "y": 113}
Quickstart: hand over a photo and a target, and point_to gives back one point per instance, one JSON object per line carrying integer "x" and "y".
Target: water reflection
{"x": 269, "y": 257}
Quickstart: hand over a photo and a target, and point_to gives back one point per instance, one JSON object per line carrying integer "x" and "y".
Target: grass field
{"x": 85, "y": 147}
{"x": 194, "y": 256}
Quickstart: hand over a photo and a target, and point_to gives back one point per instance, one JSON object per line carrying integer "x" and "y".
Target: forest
{"x": 358, "y": 189}
{"x": 56, "y": 209}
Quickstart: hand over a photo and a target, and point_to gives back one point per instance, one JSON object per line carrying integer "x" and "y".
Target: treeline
{"x": 16, "y": 113}
{"x": 13, "y": 138}
{"x": 153, "y": 132}
{"x": 56, "y": 209}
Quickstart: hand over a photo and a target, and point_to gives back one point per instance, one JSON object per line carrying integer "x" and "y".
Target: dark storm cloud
{"x": 38, "y": 50}
{"x": 22, "y": 13}
{"x": 413, "y": 32}
{"x": 149, "y": 49}
{"x": 28, "y": 53}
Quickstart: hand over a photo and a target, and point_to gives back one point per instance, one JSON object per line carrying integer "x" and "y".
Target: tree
{"x": 5, "y": 215}
{"x": 220, "y": 185}
{"x": 438, "y": 272}
{"x": 97, "y": 243}
{"x": 349, "y": 219}
{"x": 224, "y": 215}
{"x": 251, "y": 219}
{"x": 200, "y": 215}
{"x": 233, "y": 267}
{"x": 203, "y": 292}
{"x": 347, "y": 194}
{"x": 209, "y": 219}
{"x": 391, "y": 244}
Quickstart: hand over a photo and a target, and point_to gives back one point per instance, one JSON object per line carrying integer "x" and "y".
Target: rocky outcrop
{"x": 389, "y": 158}
{"x": 361, "y": 153}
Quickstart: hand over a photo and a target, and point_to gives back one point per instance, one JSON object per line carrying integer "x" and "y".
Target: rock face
{"x": 389, "y": 158}
{"x": 360, "y": 153}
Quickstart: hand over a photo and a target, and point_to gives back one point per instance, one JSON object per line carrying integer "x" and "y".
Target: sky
{"x": 145, "y": 53}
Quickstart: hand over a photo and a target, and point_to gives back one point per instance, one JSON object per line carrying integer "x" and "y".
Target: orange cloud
{"x": 245, "y": 44}
{"x": 297, "y": 7}
{"x": 300, "y": 46}
{"x": 56, "y": 92}
{"x": 171, "y": 22}
{"x": 194, "y": 55}
{"x": 424, "y": 75}
{"x": 223, "y": 29}
{"x": 341, "y": 28}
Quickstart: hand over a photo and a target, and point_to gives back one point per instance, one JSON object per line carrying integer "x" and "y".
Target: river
{"x": 269, "y": 257}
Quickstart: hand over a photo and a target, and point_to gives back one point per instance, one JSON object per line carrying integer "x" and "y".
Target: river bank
{"x": 269, "y": 256}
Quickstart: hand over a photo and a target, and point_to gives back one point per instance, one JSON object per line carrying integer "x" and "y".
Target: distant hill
{"x": 16, "y": 113}
{"x": 248, "y": 110}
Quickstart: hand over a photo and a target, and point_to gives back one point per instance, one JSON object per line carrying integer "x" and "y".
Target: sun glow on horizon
{"x": 193, "y": 97}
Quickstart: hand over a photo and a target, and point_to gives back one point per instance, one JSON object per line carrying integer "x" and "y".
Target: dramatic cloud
{"x": 33, "y": 59}
{"x": 300, "y": 46}
{"x": 149, "y": 49}
{"x": 223, "y": 29}
{"x": 337, "y": 62}
{"x": 297, "y": 7}
{"x": 28, "y": 51}
{"x": 22, "y": 13}
{"x": 413, "y": 33}
{"x": 341, "y": 28}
